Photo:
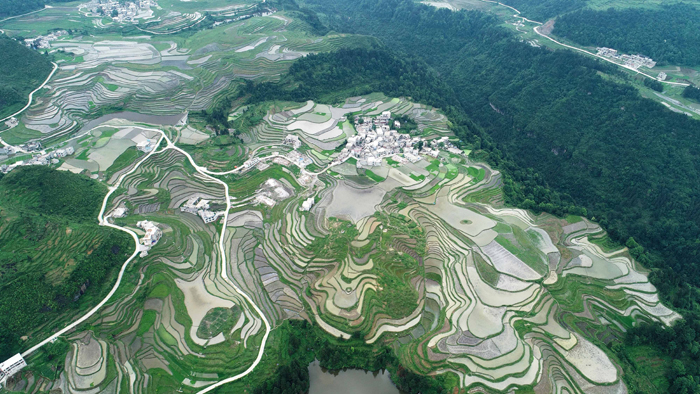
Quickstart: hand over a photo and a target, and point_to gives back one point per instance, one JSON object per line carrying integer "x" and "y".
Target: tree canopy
{"x": 667, "y": 35}
{"x": 21, "y": 71}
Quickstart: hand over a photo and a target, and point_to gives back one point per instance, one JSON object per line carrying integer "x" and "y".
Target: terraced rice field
{"x": 163, "y": 71}
{"x": 434, "y": 266}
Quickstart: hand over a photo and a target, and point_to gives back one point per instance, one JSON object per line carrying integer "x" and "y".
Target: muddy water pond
{"x": 166, "y": 120}
{"x": 349, "y": 381}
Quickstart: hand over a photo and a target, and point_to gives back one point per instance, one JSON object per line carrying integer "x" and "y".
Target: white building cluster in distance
{"x": 632, "y": 61}
{"x": 10, "y": 367}
{"x": 41, "y": 159}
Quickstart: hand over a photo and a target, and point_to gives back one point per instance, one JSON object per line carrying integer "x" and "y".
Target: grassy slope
{"x": 21, "y": 71}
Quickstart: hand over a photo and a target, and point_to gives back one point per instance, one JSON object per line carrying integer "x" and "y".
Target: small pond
{"x": 349, "y": 381}
{"x": 166, "y": 120}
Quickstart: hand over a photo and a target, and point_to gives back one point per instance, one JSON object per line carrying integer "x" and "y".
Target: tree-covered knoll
{"x": 21, "y": 71}
{"x": 49, "y": 192}
{"x": 691, "y": 92}
{"x": 669, "y": 34}
{"x": 54, "y": 257}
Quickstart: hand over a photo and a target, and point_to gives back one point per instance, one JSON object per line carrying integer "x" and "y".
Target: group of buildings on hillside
{"x": 151, "y": 237}
{"x": 196, "y": 205}
{"x": 44, "y": 42}
{"x": 375, "y": 140}
{"x": 632, "y": 61}
{"x": 41, "y": 159}
{"x": 10, "y": 367}
{"x": 119, "y": 11}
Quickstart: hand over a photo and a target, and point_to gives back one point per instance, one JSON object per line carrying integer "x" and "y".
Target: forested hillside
{"x": 54, "y": 257}
{"x": 21, "y": 71}
{"x": 668, "y": 35}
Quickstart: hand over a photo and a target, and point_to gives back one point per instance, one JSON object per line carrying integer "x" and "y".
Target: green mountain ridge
{"x": 21, "y": 71}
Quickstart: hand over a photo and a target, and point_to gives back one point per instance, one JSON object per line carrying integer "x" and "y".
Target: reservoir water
{"x": 349, "y": 381}
{"x": 165, "y": 120}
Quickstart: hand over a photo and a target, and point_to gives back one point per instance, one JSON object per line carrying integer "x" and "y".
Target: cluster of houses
{"x": 120, "y": 11}
{"x": 196, "y": 205}
{"x": 307, "y": 204}
{"x": 146, "y": 145}
{"x": 42, "y": 159}
{"x": 12, "y": 122}
{"x": 44, "y": 42}
{"x": 375, "y": 140}
{"x": 271, "y": 192}
{"x": 632, "y": 61}
{"x": 10, "y": 367}
{"x": 293, "y": 157}
{"x": 151, "y": 237}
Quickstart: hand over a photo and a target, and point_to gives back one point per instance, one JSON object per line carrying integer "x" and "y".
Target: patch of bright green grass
{"x": 524, "y": 249}
{"x": 126, "y": 158}
{"x": 487, "y": 272}
{"x": 573, "y": 219}
{"x": 371, "y": 175}
{"x": 604, "y": 242}
{"x": 434, "y": 166}
{"x": 83, "y": 155}
{"x": 160, "y": 291}
{"x": 477, "y": 174}
{"x": 147, "y": 321}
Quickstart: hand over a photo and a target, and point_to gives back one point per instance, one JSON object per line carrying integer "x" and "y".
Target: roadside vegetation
{"x": 21, "y": 71}
{"x": 54, "y": 259}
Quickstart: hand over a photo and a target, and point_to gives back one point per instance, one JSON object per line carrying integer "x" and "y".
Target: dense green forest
{"x": 21, "y": 71}
{"x": 54, "y": 257}
{"x": 19, "y": 7}
{"x": 564, "y": 135}
{"x": 668, "y": 34}
{"x": 691, "y": 92}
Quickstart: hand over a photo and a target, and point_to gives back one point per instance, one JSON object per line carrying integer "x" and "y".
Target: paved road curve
{"x": 31, "y": 95}
{"x": 222, "y": 250}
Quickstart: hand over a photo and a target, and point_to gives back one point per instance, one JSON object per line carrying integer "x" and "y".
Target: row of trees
{"x": 691, "y": 92}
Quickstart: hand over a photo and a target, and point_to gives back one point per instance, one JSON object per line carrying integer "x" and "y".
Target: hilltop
{"x": 21, "y": 71}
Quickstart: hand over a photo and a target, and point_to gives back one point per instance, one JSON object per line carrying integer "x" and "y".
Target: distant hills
{"x": 21, "y": 71}
{"x": 18, "y": 7}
